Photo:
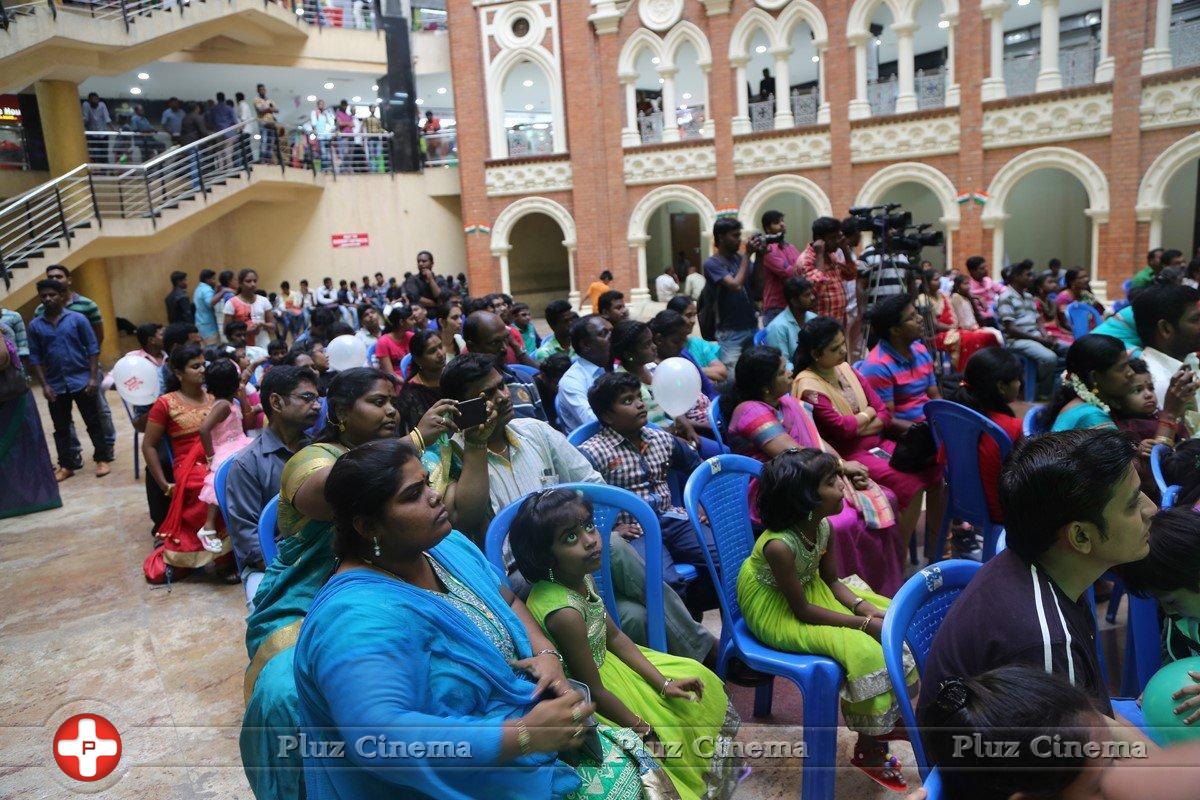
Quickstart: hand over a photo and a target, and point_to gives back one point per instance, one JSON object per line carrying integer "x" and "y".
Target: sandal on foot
{"x": 887, "y": 774}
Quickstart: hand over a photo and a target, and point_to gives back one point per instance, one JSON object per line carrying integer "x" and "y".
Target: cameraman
{"x": 827, "y": 268}
{"x": 779, "y": 259}
{"x": 884, "y": 275}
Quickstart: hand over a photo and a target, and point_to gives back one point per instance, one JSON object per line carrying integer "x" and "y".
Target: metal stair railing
{"x": 358, "y": 14}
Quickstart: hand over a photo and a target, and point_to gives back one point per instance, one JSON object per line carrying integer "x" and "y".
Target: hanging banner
{"x": 339, "y": 240}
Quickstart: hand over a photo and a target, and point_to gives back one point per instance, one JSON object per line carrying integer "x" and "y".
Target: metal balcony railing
{"x": 359, "y": 14}
{"x": 50, "y": 214}
{"x": 125, "y": 147}
{"x": 441, "y": 148}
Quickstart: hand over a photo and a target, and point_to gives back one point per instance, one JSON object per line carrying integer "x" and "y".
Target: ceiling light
{"x": 356, "y": 99}
{"x": 328, "y": 84}
{"x": 878, "y": 42}
{"x": 441, "y": 90}
{"x": 312, "y": 98}
{"x": 762, "y": 48}
{"x": 143, "y": 76}
{"x": 135, "y": 90}
{"x": 687, "y": 95}
{"x": 815, "y": 59}
{"x": 529, "y": 106}
{"x": 656, "y": 60}
{"x": 299, "y": 11}
{"x": 527, "y": 83}
{"x": 378, "y": 100}
{"x": 943, "y": 24}
{"x": 661, "y": 81}
{"x": 420, "y": 101}
{"x": 1022, "y": 2}
{"x": 374, "y": 87}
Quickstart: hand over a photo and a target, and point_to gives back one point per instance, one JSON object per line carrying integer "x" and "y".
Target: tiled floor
{"x": 82, "y": 631}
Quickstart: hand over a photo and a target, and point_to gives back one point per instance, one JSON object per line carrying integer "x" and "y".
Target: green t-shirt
{"x": 1143, "y": 278}
{"x": 81, "y": 304}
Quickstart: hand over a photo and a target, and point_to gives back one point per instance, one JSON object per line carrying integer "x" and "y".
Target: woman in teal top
{"x": 360, "y": 410}
{"x": 1097, "y": 379}
{"x": 435, "y": 679}
{"x": 1121, "y": 326}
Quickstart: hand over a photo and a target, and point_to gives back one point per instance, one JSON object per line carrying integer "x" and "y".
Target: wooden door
{"x": 685, "y": 236}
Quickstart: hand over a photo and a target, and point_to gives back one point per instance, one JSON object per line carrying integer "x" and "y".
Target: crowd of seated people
{"x": 381, "y": 609}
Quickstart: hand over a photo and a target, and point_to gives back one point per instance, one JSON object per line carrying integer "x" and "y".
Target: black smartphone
{"x": 591, "y": 738}
{"x": 472, "y": 413}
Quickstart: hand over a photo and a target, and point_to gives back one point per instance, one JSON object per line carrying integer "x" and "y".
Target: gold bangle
{"x": 663, "y": 691}
{"x": 524, "y": 740}
{"x": 866, "y": 621}
{"x": 418, "y": 439}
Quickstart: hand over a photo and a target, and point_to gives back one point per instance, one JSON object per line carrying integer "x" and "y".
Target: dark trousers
{"x": 89, "y": 409}
{"x": 681, "y": 546}
{"x": 156, "y": 501}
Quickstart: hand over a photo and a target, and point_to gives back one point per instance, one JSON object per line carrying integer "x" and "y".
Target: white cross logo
{"x": 87, "y": 747}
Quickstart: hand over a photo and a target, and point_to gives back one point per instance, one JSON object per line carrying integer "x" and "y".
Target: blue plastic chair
{"x": 405, "y": 363}
{"x": 1031, "y": 379}
{"x": 524, "y": 371}
{"x": 932, "y": 785}
{"x": 1156, "y": 457}
{"x": 220, "y": 480}
{"x": 607, "y": 503}
{"x": 1031, "y": 425}
{"x": 370, "y": 353}
{"x": 1143, "y": 645}
{"x": 717, "y": 424}
{"x": 760, "y": 336}
{"x": 721, "y": 487}
{"x": 958, "y": 430}
{"x": 266, "y": 530}
{"x": 584, "y": 432}
{"x": 1083, "y": 318}
{"x": 913, "y": 618}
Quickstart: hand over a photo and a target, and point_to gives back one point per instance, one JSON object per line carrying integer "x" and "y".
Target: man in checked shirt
{"x": 828, "y": 266}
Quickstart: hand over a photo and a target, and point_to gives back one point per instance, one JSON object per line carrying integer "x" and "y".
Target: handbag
{"x": 915, "y": 449}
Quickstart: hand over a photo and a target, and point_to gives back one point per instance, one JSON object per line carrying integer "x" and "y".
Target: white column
{"x": 992, "y": 87}
{"x": 1104, "y": 68}
{"x": 1158, "y": 57}
{"x": 783, "y": 89}
{"x": 953, "y": 93}
{"x": 906, "y": 96}
{"x": 1156, "y": 227}
{"x": 998, "y": 246}
{"x": 640, "y": 293}
{"x": 822, "y": 98}
{"x": 741, "y": 123}
{"x": 709, "y": 129}
{"x": 860, "y": 107}
{"x": 1095, "y": 220}
{"x": 630, "y": 135}
{"x": 573, "y": 291}
{"x": 1049, "y": 77}
{"x": 669, "y": 111}
{"x": 501, "y": 253}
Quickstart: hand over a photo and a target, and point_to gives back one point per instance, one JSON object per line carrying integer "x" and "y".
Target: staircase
{"x": 72, "y": 41}
{"x": 99, "y": 210}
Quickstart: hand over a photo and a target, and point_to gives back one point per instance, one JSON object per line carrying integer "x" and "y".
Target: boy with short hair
{"x": 638, "y": 457}
{"x": 523, "y": 322}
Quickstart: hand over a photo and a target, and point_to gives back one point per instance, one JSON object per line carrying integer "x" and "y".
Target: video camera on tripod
{"x": 894, "y": 232}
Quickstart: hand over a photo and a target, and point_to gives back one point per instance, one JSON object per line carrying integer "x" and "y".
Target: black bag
{"x": 915, "y": 449}
{"x": 706, "y": 311}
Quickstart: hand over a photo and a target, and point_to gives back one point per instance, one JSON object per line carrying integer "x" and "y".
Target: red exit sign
{"x": 350, "y": 240}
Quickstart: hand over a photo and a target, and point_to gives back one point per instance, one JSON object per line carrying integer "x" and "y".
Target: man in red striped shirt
{"x": 827, "y": 267}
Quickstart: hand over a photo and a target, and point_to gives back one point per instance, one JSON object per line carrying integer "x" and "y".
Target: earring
{"x": 378, "y": 552}
{"x": 341, "y": 426}
{"x": 552, "y": 574}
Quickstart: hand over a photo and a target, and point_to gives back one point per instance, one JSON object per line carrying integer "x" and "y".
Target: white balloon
{"x": 346, "y": 352}
{"x": 676, "y": 386}
{"x": 136, "y": 380}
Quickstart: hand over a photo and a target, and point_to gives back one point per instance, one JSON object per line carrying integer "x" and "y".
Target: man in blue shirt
{"x": 783, "y": 332}
{"x": 65, "y": 358}
{"x": 729, "y": 273}
{"x": 172, "y": 118}
{"x": 590, "y": 337}
{"x": 206, "y": 317}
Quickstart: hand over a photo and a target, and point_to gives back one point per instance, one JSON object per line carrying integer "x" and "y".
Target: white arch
{"x": 631, "y": 49}
{"x": 752, "y": 203}
{"x": 507, "y": 219}
{"x": 874, "y": 188}
{"x": 751, "y": 22}
{"x": 803, "y": 11}
{"x": 686, "y": 32}
{"x": 639, "y": 217}
{"x": 1063, "y": 158}
{"x": 1151, "y": 201}
{"x": 858, "y": 22}
{"x": 497, "y": 72}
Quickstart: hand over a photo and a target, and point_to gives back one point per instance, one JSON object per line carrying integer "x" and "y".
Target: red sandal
{"x": 887, "y": 774}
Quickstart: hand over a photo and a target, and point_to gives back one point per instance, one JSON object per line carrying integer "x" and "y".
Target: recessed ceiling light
{"x": 441, "y": 90}
{"x": 378, "y": 100}
{"x": 299, "y": 11}
{"x": 529, "y": 106}
{"x": 527, "y": 83}
{"x": 143, "y": 76}
{"x": 135, "y": 90}
{"x": 312, "y": 98}
{"x": 687, "y": 95}
{"x": 374, "y": 87}
{"x": 816, "y": 59}
{"x": 662, "y": 81}
{"x": 943, "y": 24}
{"x": 356, "y": 99}
{"x": 656, "y": 60}
{"x": 420, "y": 101}
{"x": 1022, "y": 2}
{"x": 328, "y": 84}
{"x": 878, "y": 42}
{"x": 762, "y": 48}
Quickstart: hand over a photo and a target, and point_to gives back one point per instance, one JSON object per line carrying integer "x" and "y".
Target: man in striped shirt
{"x": 900, "y": 368}
{"x": 827, "y": 268}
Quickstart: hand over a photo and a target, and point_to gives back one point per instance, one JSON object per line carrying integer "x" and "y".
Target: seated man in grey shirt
{"x": 496, "y": 464}
{"x": 291, "y": 403}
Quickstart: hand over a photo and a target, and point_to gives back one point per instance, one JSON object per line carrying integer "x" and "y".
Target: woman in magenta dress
{"x": 765, "y": 420}
{"x": 178, "y": 414}
{"x": 392, "y": 346}
{"x": 1077, "y": 288}
{"x": 222, "y": 434}
{"x": 850, "y": 416}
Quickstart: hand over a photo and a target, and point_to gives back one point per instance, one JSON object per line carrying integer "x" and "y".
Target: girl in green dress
{"x": 792, "y": 600}
{"x": 675, "y": 704}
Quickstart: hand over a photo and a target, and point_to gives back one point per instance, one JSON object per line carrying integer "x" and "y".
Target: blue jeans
{"x": 732, "y": 343}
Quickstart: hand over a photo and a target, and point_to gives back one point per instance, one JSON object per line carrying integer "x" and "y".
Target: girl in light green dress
{"x": 792, "y": 600}
{"x": 675, "y": 704}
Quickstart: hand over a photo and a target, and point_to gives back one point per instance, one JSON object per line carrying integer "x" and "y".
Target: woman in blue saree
{"x": 360, "y": 410}
{"x": 417, "y": 671}
{"x": 1097, "y": 379}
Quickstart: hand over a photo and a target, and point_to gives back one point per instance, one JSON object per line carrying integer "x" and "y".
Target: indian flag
{"x": 980, "y": 198}
{"x": 963, "y": 198}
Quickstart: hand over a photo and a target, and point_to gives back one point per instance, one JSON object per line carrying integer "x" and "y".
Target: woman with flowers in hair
{"x": 1097, "y": 379}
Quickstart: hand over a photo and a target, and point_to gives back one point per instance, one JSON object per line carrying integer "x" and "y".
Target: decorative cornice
{"x": 528, "y": 177}
{"x": 1057, "y": 119}
{"x": 1171, "y": 103}
{"x": 907, "y": 139}
{"x": 643, "y": 166}
{"x": 606, "y": 18}
{"x": 785, "y": 153}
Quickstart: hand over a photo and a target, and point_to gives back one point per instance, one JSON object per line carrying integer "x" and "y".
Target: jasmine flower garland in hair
{"x": 1084, "y": 393}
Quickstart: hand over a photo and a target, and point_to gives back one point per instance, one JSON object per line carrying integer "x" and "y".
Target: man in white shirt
{"x": 590, "y": 337}
{"x": 666, "y": 285}
{"x": 1168, "y": 323}
{"x": 327, "y": 295}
